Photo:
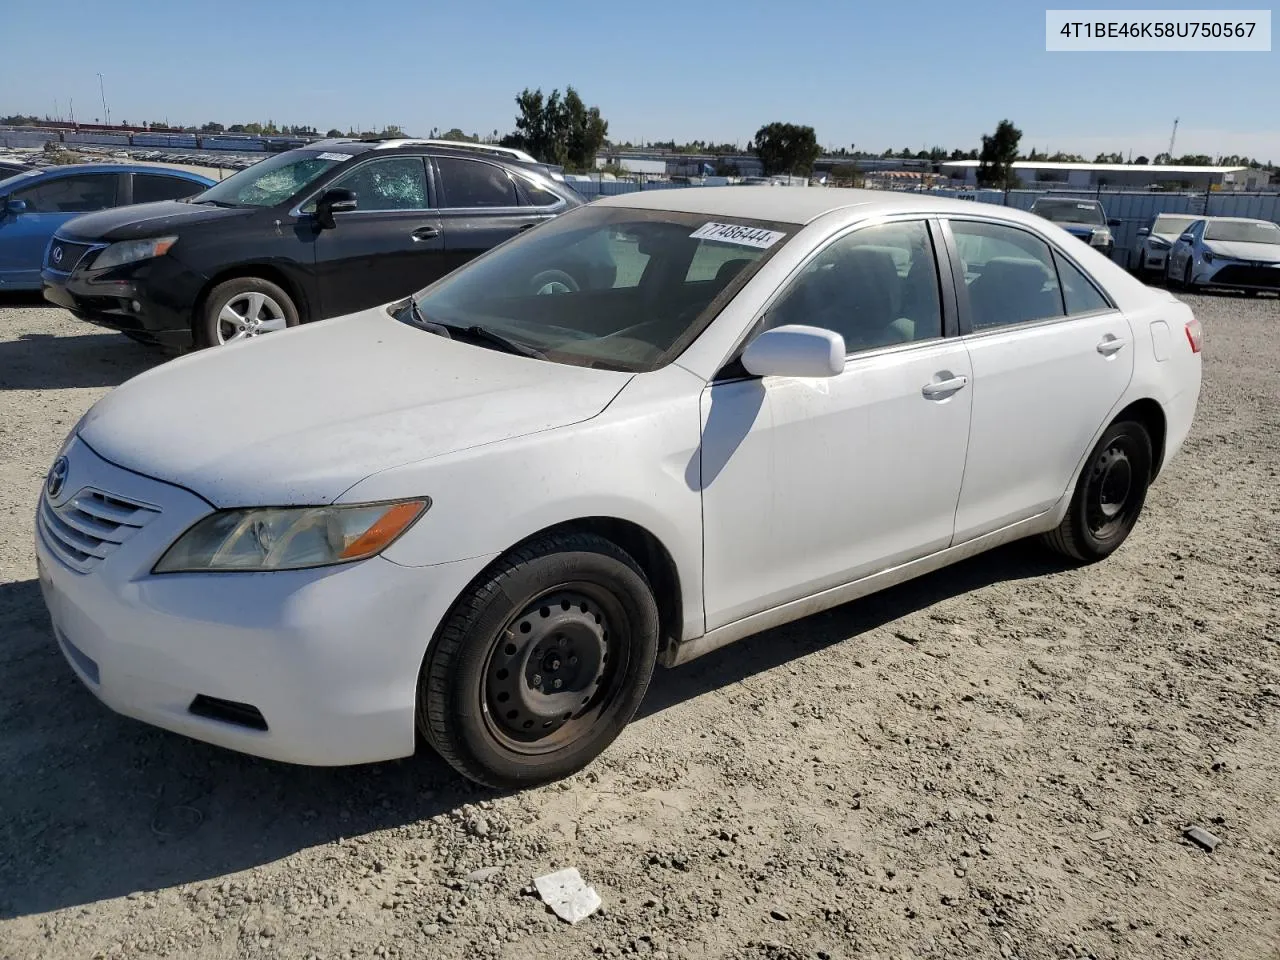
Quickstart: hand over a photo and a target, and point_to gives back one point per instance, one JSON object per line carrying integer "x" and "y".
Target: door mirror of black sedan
{"x": 14, "y": 208}
{"x": 1114, "y": 222}
{"x": 331, "y": 202}
{"x": 1144, "y": 232}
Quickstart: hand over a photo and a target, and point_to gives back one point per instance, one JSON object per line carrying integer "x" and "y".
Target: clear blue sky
{"x": 878, "y": 74}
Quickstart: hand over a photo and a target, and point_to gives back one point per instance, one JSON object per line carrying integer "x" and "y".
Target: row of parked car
{"x": 172, "y": 258}
{"x": 1188, "y": 251}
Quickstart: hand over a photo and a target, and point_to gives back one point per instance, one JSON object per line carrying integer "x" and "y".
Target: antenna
{"x": 1172, "y": 137}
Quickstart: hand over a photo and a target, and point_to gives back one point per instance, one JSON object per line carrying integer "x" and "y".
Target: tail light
{"x": 1195, "y": 335}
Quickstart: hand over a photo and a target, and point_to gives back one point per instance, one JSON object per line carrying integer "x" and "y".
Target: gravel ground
{"x": 997, "y": 760}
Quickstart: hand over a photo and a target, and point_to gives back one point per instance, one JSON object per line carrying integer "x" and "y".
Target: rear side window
{"x": 1009, "y": 273}
{"x": 77, "y": 194}
{"x": 536, "y": 196}
{"x": 150, "y": 187}
{"x": 1080, "y": 294}
{"x": 474, "y": 183}
{"x": 394, "y": 183}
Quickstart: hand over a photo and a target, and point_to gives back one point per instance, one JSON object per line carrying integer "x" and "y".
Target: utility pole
{"x": 106, "y": 111}
{"x": 1172, "y": 137}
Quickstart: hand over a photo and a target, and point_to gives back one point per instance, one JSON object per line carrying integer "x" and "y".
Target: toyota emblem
{"x": 57, "y": 476}
{"x": 57, "y": 254}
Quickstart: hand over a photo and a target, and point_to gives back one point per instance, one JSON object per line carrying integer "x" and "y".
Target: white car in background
{"x": 1155, "y": 240}
{"x": 1234, "y": 252}
{"x": 482, "y": 514}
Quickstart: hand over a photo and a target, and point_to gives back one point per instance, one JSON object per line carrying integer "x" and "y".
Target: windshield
{"x": 1070, "y": 211}
{"x": 13, "y": 179}
{"x": 1248, "y": 231}
{"x": 1171, "y": 226}
{"x": 606, "y": 287}
{"x": 273, "y": 181}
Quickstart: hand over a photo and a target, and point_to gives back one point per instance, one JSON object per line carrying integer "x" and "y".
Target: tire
{"x": 1169, "y": 280}
{"x": 1186, "y": 283}
{"x": 1109, "y": 495}
{"x": 1142, "y": 265}
{"x": 254, "y": 305}
{"x": 568, "y": 608}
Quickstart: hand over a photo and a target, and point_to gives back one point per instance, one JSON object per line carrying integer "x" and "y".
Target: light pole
{"x": 106, "y": 111}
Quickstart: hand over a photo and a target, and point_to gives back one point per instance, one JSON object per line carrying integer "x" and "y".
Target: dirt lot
{"x": 995, "y": 761}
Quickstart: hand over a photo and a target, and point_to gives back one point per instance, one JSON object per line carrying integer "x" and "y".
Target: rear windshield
{"x": 1249, "y": 232}
{"x": 1069, "y": 211}
{"x": 272, "y": 181}
{"x": 1171, "y": 225}
{"x": 606, "y": 287}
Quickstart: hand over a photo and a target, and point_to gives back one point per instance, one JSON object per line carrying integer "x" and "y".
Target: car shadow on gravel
{"x": 97, "y": 806}
{"x": 41, "y": 361}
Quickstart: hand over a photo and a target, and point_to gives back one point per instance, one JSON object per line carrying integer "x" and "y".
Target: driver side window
{"x": 395, "y": 183}
{"x": 876, "y": 287}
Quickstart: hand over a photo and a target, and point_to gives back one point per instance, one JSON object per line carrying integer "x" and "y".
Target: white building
{"x": 1132, "y": 176}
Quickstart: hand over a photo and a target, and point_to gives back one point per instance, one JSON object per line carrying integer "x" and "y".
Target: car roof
{"x": 68, "y": 168}
{"x": 798, "y": 205}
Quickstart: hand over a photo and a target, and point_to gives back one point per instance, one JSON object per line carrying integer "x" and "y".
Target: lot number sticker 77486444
{"x": 736, "y": 233}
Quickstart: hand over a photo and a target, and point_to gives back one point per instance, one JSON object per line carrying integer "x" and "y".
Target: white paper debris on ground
{"x": 567, "y": 894}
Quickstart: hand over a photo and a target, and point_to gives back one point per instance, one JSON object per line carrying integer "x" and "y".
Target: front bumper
{"x": 151, "y": 300}
{"x": 328, "y": 658}
{"x": 1240, "y": 275}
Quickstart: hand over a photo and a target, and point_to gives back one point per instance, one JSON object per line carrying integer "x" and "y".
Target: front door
{"x": 50, "y": 203}
{"x": 390, "y": 246}
{"x": 1051, "y": 358}
{"x": 811, "y": 483}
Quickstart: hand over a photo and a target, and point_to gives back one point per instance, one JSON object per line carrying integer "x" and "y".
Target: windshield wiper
{"x": 475, "y": 332}
{"x": 217, "y": 203}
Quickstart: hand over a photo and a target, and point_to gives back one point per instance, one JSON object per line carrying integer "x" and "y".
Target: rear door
{"x": 1051, "y": 357}
{"x": 51, "y": 202}
{"x": 152, "y": 187}
{"x": 390, "y": 246}
{"x": 480, "y": 207}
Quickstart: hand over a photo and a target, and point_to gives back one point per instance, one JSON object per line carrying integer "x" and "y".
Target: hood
{"x": 1262, "y": 252}
{"x": 147, "y": 220}
{"x": 297, "y": 417}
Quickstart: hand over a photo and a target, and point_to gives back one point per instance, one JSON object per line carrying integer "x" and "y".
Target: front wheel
{"x": 1187, "y": 284}
{"x": 1109, "y": 495}
{"x": 539, "y": 666}
{"x": 242, "y": 308}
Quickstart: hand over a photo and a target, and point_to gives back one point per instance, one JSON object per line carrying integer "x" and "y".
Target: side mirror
{"x": 331, "y": 202}
{"x": 1188, "y": 238}
{"x": 795, "y": 350}
{"x": 1114, "y": 222}
{"x": 1144, "y": 232}
{"x": 15, "y": 208}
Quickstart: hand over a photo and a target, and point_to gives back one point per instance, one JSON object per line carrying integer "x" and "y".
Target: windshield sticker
{"x": 333, "y": 156}
{"x": 738, "y": 234}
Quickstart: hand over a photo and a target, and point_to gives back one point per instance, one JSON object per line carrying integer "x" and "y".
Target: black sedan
{"x": 321, "y": 231}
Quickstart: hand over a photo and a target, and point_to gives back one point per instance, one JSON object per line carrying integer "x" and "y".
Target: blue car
{"x": 35, "y": 204}
{"x": 1084, "y": 219}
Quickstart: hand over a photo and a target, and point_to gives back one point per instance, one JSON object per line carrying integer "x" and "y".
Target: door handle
{"x": 944, "y": 388}
{"x": 425, "y": 233}
{"x": 1110, "y": 345}
{"x": 527, "y": 226}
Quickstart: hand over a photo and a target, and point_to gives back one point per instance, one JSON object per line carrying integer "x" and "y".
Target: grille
{"x": 72, "y": 254}
{"x": 89, "y": 526}
{"x": 1247, "y": 276}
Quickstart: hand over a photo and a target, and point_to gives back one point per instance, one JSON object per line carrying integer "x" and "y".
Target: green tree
{"x": 585, "y": 131}
{"x": 999, "y": 151}
{"x": 457, "y": 134}
{"x": 786, "y": 148}
{"x": 558, "y": 130}
{"x": 1141, "y": 161}
{"x": 252, "y": 128}
{"x": 212, "y": 127}
{"x": 334, "y": 132}
{"x": 1109, "y": 158}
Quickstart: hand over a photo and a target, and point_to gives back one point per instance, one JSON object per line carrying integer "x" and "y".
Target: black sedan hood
{"x": 146, "y": 220}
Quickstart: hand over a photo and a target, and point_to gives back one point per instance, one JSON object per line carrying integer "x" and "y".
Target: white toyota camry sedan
{"x": 641, "y": 431}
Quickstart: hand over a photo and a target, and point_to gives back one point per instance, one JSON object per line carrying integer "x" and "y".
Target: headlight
{"x": 290, "y": 538}
{"x": 1100, "y": 238}
{"x": 130, "y": 251}
{"x": 1207, "y": 256}
{"x": 1158, "y": 244}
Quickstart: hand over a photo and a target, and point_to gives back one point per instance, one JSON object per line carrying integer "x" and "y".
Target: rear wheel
{"x": 1109, "y": 495}
{"x": 242, "y": 308}
{"x": 1187, "y": 283}
{"x": 537, "y": 668}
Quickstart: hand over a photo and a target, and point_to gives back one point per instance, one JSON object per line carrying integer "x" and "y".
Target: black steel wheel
{"x": 1109, "y": 495}
{"x": 541, "y": 662}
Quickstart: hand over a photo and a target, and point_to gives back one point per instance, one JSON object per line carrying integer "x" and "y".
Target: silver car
{"x": 1226, "y": 252}
{"x": 1155, "y": 240}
